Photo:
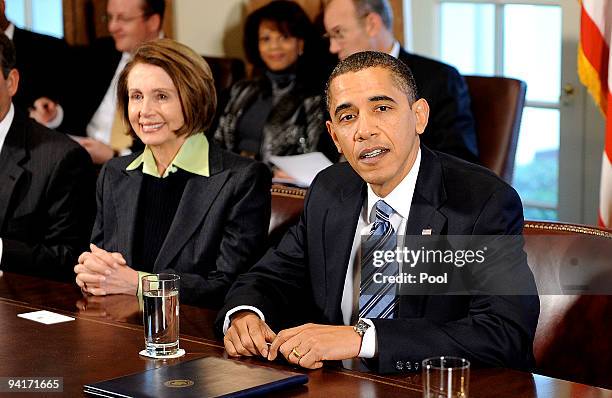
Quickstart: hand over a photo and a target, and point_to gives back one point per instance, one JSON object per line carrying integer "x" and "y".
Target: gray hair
{"x": 380, "y": 7}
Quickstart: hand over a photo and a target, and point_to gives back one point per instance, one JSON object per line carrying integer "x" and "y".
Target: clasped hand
{"x": 306, "y": 345}
{"x": 100, "y": 272}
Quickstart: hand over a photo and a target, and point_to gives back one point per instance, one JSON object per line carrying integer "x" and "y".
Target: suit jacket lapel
{"x": 198, "y": 196}
{"x": 429, "y": 196}
{"x": 340, "y": 224}
{"x": 12, "y": 154}
{"x": 126, "y": 195}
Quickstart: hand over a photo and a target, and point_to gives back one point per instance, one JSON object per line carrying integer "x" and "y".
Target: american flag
{"x": 595, "y": 73}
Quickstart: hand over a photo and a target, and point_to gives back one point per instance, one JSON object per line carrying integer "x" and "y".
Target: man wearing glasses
{"x": 360, "y": 25}
{"x": 90, "y": 110}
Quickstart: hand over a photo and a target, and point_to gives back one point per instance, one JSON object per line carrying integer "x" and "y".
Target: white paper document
{"x": 46, "y": 317}
{"x": 303, "y": 168}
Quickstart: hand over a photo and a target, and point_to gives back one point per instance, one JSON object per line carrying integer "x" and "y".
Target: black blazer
{"x": 47, "y": 205}
{"x": 90, "y": 70}
{"x": 219, "y": 229}
{"x": 451, "y": 197}
{"x": 39, "y": 61}
{"x": 451, "y": 126}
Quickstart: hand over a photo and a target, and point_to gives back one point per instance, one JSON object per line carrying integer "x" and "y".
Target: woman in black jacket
{"x": 281, "y": 111}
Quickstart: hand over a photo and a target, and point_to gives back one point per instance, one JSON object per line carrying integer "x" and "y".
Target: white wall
{"x": 211, "y": 27}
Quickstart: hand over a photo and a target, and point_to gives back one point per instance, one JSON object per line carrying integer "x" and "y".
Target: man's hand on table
{"x": 307, "y": 345}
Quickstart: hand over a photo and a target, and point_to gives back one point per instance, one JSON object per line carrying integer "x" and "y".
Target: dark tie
{"x": 378, "y": 300}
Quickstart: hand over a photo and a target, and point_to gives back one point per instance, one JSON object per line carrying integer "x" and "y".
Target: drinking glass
{"x": 446, "y": 377}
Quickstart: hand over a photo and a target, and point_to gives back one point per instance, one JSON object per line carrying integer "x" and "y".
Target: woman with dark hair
{"x": 280, "y": 112}
{"x": 183, "y": 205}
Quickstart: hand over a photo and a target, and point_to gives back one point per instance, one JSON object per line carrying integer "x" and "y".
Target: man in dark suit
{"x": 367, "y": 25}
{"x": 46, "y": 188}
{"x": 393, "y": 181}
{"x": 89, "y": 109}
{"x": 34, "y": 53}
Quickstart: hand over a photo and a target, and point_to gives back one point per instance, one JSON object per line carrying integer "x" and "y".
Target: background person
{"x": 47, "y": 182}
{"x": 280, "y": 112}
{"x": 182, "y": 205}
{"x": 89, "y": 111}
{"x": 362, "y": 25}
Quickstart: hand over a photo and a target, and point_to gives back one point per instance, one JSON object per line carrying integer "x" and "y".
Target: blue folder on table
{"x": 204, "y": 377}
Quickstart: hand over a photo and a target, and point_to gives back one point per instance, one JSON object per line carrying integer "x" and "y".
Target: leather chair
{"x": 497, "y": 106}
{"x": 287, "y": 205}
{"x": 226, "y": 71}
{"x": 573, "y": 339}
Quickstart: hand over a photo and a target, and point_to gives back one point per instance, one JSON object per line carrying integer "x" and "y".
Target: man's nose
{"x": 334, "y": 48}
{"x": 365, "y": 127}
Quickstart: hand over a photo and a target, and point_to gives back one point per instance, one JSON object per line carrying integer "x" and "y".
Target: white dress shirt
{"x": 101, "y": 123}
{"x": 395, "y": 50}
{"x": 5, "y": 125}
{"x": 10, "y": 31}
{"x": 400, "y": 199}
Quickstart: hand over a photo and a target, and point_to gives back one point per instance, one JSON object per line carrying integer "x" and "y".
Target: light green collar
{"x": 191, "y": 157}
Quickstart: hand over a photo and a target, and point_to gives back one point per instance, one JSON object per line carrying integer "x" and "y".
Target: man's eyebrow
{"x": 377, "y": 98}
{"x": 341, "y": 107}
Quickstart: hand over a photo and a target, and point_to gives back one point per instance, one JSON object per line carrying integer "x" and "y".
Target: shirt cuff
{"x": 226, "y": 321}
{"x": 369, "y": 344}
{"x": 58, "y": 119}
{"x": 139, "y": 288}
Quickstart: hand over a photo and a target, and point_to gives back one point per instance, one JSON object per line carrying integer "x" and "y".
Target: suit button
{"x": 408, "y": 366}
{"x": 399, "y": 365}
{"x": 416, "y": 366}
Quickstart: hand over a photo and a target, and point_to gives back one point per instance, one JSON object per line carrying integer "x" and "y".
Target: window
{"x": 42, "y": 16}
{"x": 521, "y": 41}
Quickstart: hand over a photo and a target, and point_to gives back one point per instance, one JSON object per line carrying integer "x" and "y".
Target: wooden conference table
{"x": 104, "y": 340}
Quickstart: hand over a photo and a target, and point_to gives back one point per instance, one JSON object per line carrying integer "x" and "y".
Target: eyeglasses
{"x": 121, "y": 19}
{"x": 336, "y": 34}
{"x": 339, "y": 34}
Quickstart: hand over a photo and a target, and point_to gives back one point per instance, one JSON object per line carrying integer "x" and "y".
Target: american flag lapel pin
{"x": 426, "y": 231}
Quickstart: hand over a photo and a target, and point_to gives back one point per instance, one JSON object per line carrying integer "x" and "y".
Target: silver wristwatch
{"x": 361, "y": 327}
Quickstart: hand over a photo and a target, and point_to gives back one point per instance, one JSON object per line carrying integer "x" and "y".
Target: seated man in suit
{"x": 47, "y": 182}
{"x": 313, "y": 274}
{"x": 90, "y": 109}
{"x": 362, "y": 25}
{"x": 34, "y": 62}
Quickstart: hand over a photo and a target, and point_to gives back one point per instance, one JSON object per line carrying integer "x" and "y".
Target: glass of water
{"x": 160, "y": 293}
{"x": 446, "y": 377}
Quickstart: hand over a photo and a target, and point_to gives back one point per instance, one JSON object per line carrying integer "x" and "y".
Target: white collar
{"x": 5, "y": 125}
{"x": 395, "y": 50}
{"x": 10, "y": 31}
{"x": 400, "y": 198}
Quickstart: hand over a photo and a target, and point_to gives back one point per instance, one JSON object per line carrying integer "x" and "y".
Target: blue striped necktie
{"x": 378, "y": 300}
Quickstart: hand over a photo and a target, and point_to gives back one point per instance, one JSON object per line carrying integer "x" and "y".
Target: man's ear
{"x": 334, "y": 137}
{"x": 420, "y": 108}
{"x": 12, "y": 82}
{"x": 154, "y": 23}
{"x": 373, "y": 24}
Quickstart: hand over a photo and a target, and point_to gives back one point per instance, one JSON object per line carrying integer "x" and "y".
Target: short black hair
{"x": 7, "y": 52}
{"x": 152, "y": 7}
{"x": 290, "y": 19}
{"x": 401, "y": 73}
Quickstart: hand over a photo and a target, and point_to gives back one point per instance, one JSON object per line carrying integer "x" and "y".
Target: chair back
{"x": 226, "y": 71}
{"x": 573, "y": 336}
{"x": 497, "y": 107}
{"x": 287, "y": 205}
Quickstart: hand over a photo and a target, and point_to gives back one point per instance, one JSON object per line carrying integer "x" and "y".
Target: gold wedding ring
{"x": 296, "y": 353}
